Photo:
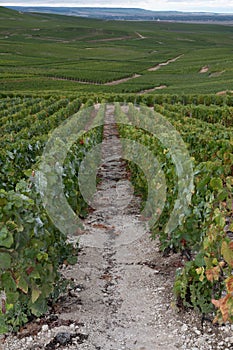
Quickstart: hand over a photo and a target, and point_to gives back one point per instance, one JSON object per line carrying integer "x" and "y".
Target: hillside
{"x": 116, "y": 183}
{"x": 55, "y": 52}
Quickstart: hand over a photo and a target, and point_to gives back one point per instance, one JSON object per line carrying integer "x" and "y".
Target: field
{"x": 55, "y": 66}
{"x": 40, "y": 52}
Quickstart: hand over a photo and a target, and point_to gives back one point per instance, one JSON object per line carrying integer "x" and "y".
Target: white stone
{"x": 45, "y": 328}
{"x": 72, "y": 326}
{"x": 184, "y": 328}
{"x": 29, "y": 340}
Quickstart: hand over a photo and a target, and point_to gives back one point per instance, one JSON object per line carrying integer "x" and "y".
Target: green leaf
{"x": 11, "y": 226}
{"x": 8, "y": 282}
{"x": 229, "y": 182}
{"x": 35, "y": 294}
{"x": 72, "y": 260}
{"x": 3, "y": 326}
{"x": 216, "y": 183}
{"x": 223, "y": 195}
{"x": 10, "y": 154}
{"x": 28, "y": 172}
{"x": 199, "y": 260}
{"x": 39, "y": 307}
{"x": 47, "y": 289}
{"x": 23, "y": 285}
{"x": 220, "y": 221}
{"x": 227, "y": 253}
{"x": 229, "y": 204}
{"x": 35, "y": 274}
{"x": 12, "y": 298}
{"x": 5, "y": 261}
{"x": 6, "y": 238}
{"x": 3, "y": 201}
{"x": 42, "y": 256}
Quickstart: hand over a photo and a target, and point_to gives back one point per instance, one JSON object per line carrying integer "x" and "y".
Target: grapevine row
{"x": 206, "y": 279}
{"x": 31, "y": 248}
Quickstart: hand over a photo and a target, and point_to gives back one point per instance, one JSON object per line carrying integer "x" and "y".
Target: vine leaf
{"x": 229, "y": 284}
{"x": 23, "y": 285}
{"x": 35, "y": 294}
{"x": 222, "y": 305}
{"x": 216, "y": 183}
{"x": 213, "y": 274}
{"x": 227, "y": 253}
{"x": 6, "y": 237}
{"x": 5, "y": 260}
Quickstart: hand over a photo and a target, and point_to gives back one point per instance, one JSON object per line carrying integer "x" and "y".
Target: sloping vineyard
{"x": 202, "y": 237}
{"x": 32, "y": 249}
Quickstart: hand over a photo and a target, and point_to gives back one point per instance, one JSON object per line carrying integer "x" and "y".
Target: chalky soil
{"x": 122, "y": 299}
{"x": 122, "y": 294}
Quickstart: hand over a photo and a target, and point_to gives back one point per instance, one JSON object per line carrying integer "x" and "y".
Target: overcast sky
{"x": 179, "y": 5}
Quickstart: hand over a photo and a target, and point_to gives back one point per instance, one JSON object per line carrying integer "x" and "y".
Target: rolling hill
{"x": 57, "y": 52}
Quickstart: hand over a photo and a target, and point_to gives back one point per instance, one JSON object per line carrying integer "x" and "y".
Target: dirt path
{"x": 158, "y": 66}
{"x": 121, "y": 298}
{"x": 126, "y": 37}
{"x": 160, "y": 87}
{"x": 119, "y": 81}
{"x": 140, "y": 35}
{"x": 204, "y": 69}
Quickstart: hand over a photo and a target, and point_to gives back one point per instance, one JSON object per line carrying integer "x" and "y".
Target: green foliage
{"x": 192, "y": 289}
{"x": 31, "y": 248}
{"x": 22, "y": 142}
{"x": 140, "y": 181}
{"x": 31, "y": 251}
{"x": 67, "y": 53}
{"x": 207, "y": 279}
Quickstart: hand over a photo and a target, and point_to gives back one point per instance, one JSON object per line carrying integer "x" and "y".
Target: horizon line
{"x": 114, "y": 7}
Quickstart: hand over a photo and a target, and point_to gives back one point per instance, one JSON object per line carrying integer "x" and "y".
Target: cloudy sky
{"x": 225, "y": 6}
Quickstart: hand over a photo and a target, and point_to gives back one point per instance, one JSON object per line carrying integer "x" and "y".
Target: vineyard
{"x": 168, "y": 89}
{"x": 201, "y": 235}
{"x": 40, "y": 52}
{"x": 32, "y": 249}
